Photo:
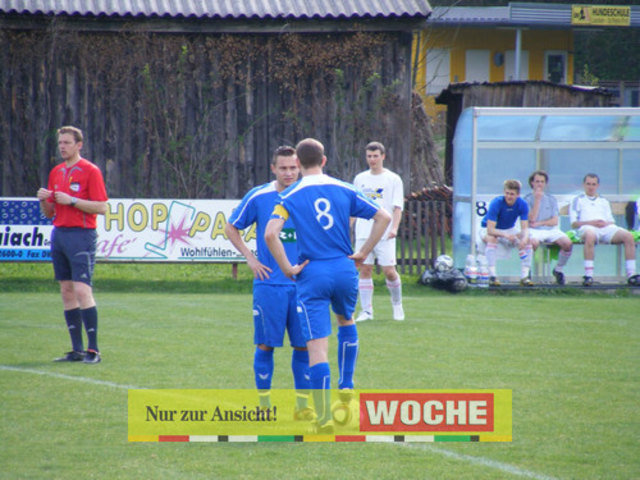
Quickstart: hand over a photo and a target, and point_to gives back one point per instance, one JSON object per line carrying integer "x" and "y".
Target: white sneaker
{"x": 398, "y": 312}
{"x": 364, "y": 315}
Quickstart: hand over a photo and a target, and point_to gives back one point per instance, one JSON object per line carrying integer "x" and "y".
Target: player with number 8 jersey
{"x": 320, "y": 207}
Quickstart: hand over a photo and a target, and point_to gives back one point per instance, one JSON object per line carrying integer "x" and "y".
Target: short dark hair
{"x": 76, "y": 132}
{"x": 372, "y": 146}
{"x": 542, "y": 173}
{"x": 591, "y": 175}
{"x": 310, "y": 152}
{"x": 283, "y": 151}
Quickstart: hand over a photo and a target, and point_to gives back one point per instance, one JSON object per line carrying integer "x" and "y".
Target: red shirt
{"x": 84, "y": 181}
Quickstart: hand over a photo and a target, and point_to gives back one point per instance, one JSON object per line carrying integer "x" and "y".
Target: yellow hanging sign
{"x": 611, "y": 15}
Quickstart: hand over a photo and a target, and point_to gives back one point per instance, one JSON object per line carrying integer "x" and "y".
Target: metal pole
{"x": 474, "y": 175}
{"x": 516, "y": 75}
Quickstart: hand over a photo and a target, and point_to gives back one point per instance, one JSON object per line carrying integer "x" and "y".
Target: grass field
{"x": 571, "y": 360}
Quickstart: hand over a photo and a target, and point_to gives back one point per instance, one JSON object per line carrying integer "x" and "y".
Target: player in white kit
{"x": 386, "y": 188}
{"x": 591, "y": 216}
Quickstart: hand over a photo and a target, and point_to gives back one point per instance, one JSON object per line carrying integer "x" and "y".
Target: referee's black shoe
{"x": 71, "y": 356}
{"x": 92, "y": 356}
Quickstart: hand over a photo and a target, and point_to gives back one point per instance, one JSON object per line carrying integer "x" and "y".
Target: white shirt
{"x": 385, "y": 189}
{"x": 585, "y": 209}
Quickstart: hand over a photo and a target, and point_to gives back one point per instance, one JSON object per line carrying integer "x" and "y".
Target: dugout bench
{"x": 625, "y": 208}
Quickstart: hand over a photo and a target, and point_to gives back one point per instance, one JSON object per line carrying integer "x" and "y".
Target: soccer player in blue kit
{"x": 274, "y": 295}
{"x": 498, "y": 228}
{"x": 320, "y": 207}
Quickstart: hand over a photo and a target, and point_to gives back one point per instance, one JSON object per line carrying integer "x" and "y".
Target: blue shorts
{"x": 274, "y": 309}
{"x": 73, "y": 253}
{"x": 320, "y": 284}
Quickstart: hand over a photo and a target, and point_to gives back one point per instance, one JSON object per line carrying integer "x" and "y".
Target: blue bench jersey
{"x": 320, "y": 207}
{"x": 256, "y": 207}
{"x": 504, "y": 215}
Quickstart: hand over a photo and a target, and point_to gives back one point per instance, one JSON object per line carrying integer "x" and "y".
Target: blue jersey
{"x": 320, "y": 207}
{"x": 504, "y": 215}
{"x": 256, "y": 207}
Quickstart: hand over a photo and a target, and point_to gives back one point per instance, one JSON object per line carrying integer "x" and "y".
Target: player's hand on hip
{"x": 296, "y": 269}
{"x": 260, "y": 271}
{"x": 358, "y": 258}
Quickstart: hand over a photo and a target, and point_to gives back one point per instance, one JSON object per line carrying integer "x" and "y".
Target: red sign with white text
{"x": 433, "y": 412}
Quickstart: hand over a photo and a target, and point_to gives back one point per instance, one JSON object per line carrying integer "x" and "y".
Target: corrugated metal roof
{"x": 450, "y": 15}
{"x": 226, "y": 9}
{"x": 547, "y": 14}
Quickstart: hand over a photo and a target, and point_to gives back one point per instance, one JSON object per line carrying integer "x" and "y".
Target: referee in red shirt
{"x": 74, "y": 196}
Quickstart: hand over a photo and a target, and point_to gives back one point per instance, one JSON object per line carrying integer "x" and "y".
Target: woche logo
{"x": 421, "y": 412}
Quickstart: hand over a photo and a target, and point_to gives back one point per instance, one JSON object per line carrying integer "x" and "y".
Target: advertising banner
{"x": 174, "y": 415}
{"x": 145, "y": 230}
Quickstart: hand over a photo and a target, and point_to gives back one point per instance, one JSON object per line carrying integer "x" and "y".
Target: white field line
{"x": 92, "y": 381}
{"x": 480, "y": 461}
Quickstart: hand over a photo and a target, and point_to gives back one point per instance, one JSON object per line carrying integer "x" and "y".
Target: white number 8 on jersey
{"x": 323, "y": 206}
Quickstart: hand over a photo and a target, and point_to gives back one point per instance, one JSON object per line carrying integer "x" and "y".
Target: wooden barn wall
{"x": 197, "y": 116}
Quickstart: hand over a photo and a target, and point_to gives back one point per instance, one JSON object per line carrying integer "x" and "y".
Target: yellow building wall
{"x": 497, "y": 40}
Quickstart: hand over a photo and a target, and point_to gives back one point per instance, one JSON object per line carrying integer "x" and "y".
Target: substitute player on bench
{"x": 591, "y": 215}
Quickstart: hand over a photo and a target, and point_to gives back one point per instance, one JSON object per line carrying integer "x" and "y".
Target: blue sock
{"x": 263, "y": 370}
{"x": 321, "y": 384}
{"x": 73, "y": 318}
{"x": 90, "y": 320}
{"x": 300, "y": 368}
{"x": 301, "y": 377}
{"x": 347, "y": 354}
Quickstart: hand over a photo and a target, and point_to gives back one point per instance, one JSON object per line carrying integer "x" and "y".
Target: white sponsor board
{"x": 145, "y": 230}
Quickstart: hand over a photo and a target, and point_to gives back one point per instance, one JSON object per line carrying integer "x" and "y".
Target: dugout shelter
{"x": 495, "y": 144}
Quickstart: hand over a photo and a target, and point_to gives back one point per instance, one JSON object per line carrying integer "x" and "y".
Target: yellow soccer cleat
{"x": 306, "y": 414}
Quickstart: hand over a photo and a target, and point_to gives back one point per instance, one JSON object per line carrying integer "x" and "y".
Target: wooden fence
{"x": 423, "y": 232}
{"x": 198, "y": 115}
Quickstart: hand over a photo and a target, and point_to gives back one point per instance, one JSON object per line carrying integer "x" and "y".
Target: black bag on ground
{"x": 452, "y": 280}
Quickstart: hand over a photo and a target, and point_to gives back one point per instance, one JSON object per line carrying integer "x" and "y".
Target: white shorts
{"x": 603, "y": 235}
{"x": 384, "y": 251}
{"x": 546, "y": 236}
{"x": 504, "y": 245}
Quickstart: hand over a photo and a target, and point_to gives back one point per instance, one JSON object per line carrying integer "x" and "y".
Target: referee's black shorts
{"x": 73, "y": 253}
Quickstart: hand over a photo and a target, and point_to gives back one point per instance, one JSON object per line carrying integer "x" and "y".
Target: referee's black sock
{"x": 90, "y": 319}
{"x": 73, "y": 318}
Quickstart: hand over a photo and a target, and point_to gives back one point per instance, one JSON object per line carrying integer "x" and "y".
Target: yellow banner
{"x": 366, "y": 415}
{"x": 612, "y": 15}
